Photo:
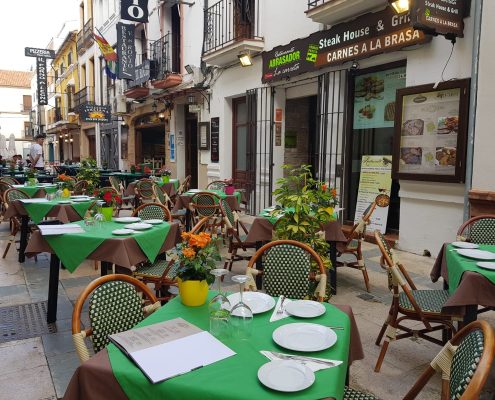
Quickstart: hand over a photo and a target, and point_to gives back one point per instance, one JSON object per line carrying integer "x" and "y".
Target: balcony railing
{"x": 85, "y": 36}
{"x": 84, "y": 96}
{"x": 316, "y": 3}
{"x": 228, "y": 21}
{"x": 165, "y": 52}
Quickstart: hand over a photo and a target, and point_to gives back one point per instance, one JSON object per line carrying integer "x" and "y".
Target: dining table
{"x": 100, "y": 243}
{"x": 110, "y": 375}
{"x": 469, "y": 285}
{"x": 62, "y": 209}
{"x": 38, "y": 190}
{"x": 170, "y": 187}
{"x": 261, "y": 231}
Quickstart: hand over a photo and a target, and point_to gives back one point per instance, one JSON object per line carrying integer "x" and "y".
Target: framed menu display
{"x": 431, "y": 131}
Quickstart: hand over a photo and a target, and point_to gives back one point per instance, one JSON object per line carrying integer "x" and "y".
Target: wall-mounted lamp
{"x": 354, "y": 65}
{"x": 161, "y": 115}
{"x": 399, "y": 6}
{"x": 71, "y": 140}
{"x": 189, "y": 68}
{"x": 245, "y": 59}
{"x": 191, "y": 99}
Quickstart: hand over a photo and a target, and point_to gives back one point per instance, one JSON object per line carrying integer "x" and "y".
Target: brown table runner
{"x": 95, "y": 380}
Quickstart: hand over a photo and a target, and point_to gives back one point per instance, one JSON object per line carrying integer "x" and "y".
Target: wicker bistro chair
{"x": 464, "y": 363}
{"x": 80, "y": 187}
{"x": 236, "y": 237}
{"x": 9, "y": 196}
{"x": 204, "y": 204}
{"x": 412, "y": 304}
{"x": 152, "y": 211}
{"x": 144, "y": 191}
{"x": 9, "y": 180}
{"x": 479, "y": 230}
{"x": 127, "y": 201}
{"x": 114, "y": 306}
{"x": 287, "y": 270}
{"x": 162, "y": 273}
{"x": 184, "y": 186}
{"x": 4, "y": 186}
{"x": 163, "y": 198}
{"x": 216, "y": 185}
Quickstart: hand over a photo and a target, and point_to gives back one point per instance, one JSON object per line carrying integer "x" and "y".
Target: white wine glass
{"x": 219, "y": 307}
{"x": 241, "y": 316}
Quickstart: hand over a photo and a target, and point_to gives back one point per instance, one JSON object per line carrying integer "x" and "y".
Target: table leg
{"x": 104, "y": 266}
{"x": 471, "y": 314}
{"x": 24, "y": 233}
{"x": 333, "y": 272}
{"x": 188, "y": 219}
{"x": 53, "y": 289}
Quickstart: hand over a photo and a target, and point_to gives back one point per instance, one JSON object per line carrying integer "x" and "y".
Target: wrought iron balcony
{"x": 330, "y": 12}
{"x": 316, "y": 3}
{"x": 85, "y": 36}
{"x": 165, "y": 52}
{"x": 84, "y": 96}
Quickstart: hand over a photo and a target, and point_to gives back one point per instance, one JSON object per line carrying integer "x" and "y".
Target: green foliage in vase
{"x": 89, "y": 172}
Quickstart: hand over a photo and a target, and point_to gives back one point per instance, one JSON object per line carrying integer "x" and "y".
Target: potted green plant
{"x": 89, "y": 172}
{"x": 133, "y": 169}
{"x": 108, "y": 200}
{"x": 31, "y": 177}
{"x": 197, "y": 255}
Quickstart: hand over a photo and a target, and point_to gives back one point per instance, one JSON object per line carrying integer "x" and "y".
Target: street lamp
{"x": 245, "y": 59}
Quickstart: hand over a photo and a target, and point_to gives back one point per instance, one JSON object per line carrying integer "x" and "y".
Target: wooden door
{"x": 242, "y": 146}
{"x": 243, "y": 19}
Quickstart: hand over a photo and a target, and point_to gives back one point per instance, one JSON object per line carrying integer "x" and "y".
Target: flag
{"x": 109, "y": 55}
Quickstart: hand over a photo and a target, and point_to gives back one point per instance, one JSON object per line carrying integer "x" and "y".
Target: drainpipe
{"x": 478, "y": 7}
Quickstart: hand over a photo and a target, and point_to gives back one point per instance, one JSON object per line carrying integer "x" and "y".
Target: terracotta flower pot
{"x": 193, "y": 293}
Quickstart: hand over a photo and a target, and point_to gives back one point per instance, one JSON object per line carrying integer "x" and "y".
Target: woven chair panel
{"x": 15, "y": 194}
{"x": 353, "y": 394}
{"x": 228, "y": 211}
{"x": 217, "y": 186}
{"x": 145, "y": 189}
{"x": 353, "y": 245}
{"x": 151, "y": 212}
{"x": 156, "y": 269}
{"x": 385, "y": 244}
{"x": 9, "y": 180}
{"x": 465, "y": 362}
{"x": 160, "y": 195}
{"x": 430, "y": 301}
{"x": 114, "y": 182}
{"x": 483, "y": 231}
{"x": 203, "y": 204}
{"x": 114, "y": 307}
{"x": 286, "y": 271}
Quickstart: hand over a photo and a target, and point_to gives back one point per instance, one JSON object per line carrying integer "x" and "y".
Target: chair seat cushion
{"x": 430, "y": 301}
{"x": 156, "y": 269}
{"x": 353, "y": 394}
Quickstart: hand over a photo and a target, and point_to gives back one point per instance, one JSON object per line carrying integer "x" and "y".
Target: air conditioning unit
{"x": 119, "y": 106}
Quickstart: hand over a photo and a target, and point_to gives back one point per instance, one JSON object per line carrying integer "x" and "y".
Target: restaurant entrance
{"x": 150, "y": 145}
{"x": 192, "y": 147}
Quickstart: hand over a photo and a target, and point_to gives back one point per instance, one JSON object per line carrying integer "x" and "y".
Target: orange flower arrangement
{"x": 197, "y": 256}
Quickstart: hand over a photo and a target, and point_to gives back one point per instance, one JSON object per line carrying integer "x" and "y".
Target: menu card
{"x": 49, "y": 230}
{"x": 171, "y": 348}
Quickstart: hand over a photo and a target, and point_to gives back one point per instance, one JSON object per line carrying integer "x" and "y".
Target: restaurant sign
{"x": 126, "y": 51}
{"x": 439, "y": 17}
{"x": 95, "y": 113}
{"x": 365, "y": 36}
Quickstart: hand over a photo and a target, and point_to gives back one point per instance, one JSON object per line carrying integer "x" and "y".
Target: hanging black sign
{"x": 126, "y": 50}
{"x": 34, "y": 52}
{"x": 141, "y": 74}
{"x": 95, "y": 113}
{"x": 215, "y": 139}
{"x": 439, "y": 17}
{"x": 41, "y": 81}
{"x": 134, "y": 10}
{"x": 365, "y": 36}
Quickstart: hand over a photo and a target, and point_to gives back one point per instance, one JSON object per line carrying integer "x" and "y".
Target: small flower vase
{"x": 229, "y": 190}
{"x": 165, "y": 179}
{"x": 65, "y": 193}
{"x": 107, "y": 213}
{"x": 193, "y": 293}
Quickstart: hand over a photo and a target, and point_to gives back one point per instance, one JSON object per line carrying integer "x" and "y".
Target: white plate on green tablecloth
{"x": 305, "y": 308}
{"x": 486, "y": 265}
{"x": 139, "y": 226}
{"x": 154, "y": 221}
{"x": 122, "y": 232}
{"x": 286, "y": 376}
{"x": 477, "y": 254}
{"x": 65, "y": 202}
{"x": 81, "y": 199}
{"x": 465, "y": 245}
{"x": 258, "y": 302}
{"x": 126, "y": 220}
{"x": 304, "y": 337}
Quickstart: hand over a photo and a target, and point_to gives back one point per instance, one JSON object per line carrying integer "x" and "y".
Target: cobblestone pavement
{"x": 40, "y": 368}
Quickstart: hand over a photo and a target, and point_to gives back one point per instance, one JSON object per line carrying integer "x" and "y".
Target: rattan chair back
{"x": 152, "y": 211}
{"x": 13, "y": 194}
{"x": 216, "y": 185}
{"x": 479, "y": 230}
{"x": 9, "y": 180}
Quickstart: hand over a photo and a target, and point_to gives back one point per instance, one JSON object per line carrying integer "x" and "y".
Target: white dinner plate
{"x": 127, "y": 220}
{"x": 81, "y": 199}
{"x": 465, "y": 245}
{"x": 258, "y": 302}
{"x": 486, "y": 265}
{"x": 154, "y": 221}
{"x": 286, "y": 376}
{"x": 477, "y": 254}
{"x": 79, "y": 196}
{"x": 122, "y": 232}
{"x": 64, "y": 202}
{"x": 304, "y": 337}
{"x": 305, "y": 308}
{"x": 139, "y": 226}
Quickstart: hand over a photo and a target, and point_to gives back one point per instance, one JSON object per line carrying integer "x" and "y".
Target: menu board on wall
{"x": 430, "y": 132}
{"x": 215, "y": 139}
{"x": 375, "y": 179}
{"x": 374, "y": 98}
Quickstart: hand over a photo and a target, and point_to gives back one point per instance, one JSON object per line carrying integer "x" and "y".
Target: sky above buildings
{"x": 31, "y": 23}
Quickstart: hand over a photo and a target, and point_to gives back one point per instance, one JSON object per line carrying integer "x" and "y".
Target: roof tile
{"x": 15, "y": 78}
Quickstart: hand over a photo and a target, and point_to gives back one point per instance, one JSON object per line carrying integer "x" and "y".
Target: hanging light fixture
{"x": 191, "y": 99}
{"x": 245, "y": 59}
{"x": 161, "y": 115}
{"x": 399, "y": 6}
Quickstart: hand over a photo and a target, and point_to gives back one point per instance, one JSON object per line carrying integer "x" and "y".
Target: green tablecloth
{"x": 234, "y": 377}
{"x": 459, "y": 264}
{"x": 219, "y": 193}
{"x": 38, "y": 211}
{"x": 175, "y": 183}
{"x": 73, "y": 248}
{"x": 32, "y": 190}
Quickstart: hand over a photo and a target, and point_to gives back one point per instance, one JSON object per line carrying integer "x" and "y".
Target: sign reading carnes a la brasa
{"x": 367, "y": 35}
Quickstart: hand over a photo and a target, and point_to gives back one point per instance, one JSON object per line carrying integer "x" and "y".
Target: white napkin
{"x": 49, "y": 230}
{"x": 275, "y": 316}
{"x": 40, "y": 200}
{"x": 313, "y": 366}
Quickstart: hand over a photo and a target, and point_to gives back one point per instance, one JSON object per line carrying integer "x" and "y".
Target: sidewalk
{"x": 40, "y": 368}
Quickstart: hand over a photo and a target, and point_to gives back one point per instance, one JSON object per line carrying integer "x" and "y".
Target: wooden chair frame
{"x": 141, "y": 195}
{"x": 78, "y": 335}
{"x": 117, "y": 185}
{"x": 10, "y": 180}
{"x": 184, "y": 186}
{"x": 470, "y": 222}
{"x": 394, "y": 322}
{"x": 214, "y": 183}
{"x": 199, "y": 211}
{"x": 15, "y": 223}
{"x": 80, "y": 187}
{"x": 168, "y": 216}
{"x": 305, "y": 247}
{"x": 168, "y": 203}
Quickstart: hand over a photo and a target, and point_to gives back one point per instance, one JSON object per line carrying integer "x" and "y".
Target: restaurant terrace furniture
{"x": 162, "y": 273}
{"x": 9, "y": 180}
{"x": 144, "y": 190}
{"x": 287, "y": 270}
{"x": 185, "y": 185}
{"x": 127, "y": 199}
{"x": 479, "y": 230}
{"x": 3, "y": 188}
{"x": 100, "y": 244}
{"x": 170, "y": 187}
{"x": 163, "y": 198}
{"x": 80, "y": 187}
{"x": 205, "y": 204}
{"x": 114, "y": 306}
{"x": 38, "y": 190}
{"x": 236, "y": 237}
{"x": 110, "y": 375}
{"x": 10, "y": 196}
{"x": 216, "y": 185}
{"x": 152, "y": 211}
{"x": 410, "y": 304}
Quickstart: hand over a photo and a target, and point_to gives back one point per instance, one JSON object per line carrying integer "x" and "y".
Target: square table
{"x": 37, "y": 191}
{"x": 101, "y": 245}
{"x": 169, "y": 187}
{"x": 110, "y": 375}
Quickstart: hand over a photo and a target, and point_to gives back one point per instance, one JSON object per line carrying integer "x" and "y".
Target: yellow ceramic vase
{"x": 66, "y": 193}
{"x": 193, "y": 293}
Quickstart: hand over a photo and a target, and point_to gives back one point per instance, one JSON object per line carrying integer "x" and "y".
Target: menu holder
{"x": 168, "y": 349}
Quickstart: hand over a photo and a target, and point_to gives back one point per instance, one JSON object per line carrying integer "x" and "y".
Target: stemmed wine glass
{"x": 219, "y": 307}
{"x": 241, "y": 316}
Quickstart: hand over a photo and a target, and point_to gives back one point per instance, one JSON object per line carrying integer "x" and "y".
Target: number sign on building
{"x": 134, "y": 10}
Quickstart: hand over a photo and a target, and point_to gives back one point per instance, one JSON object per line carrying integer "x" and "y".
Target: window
{"x": 26, "y": 103}
{"x": 69, "y": 58}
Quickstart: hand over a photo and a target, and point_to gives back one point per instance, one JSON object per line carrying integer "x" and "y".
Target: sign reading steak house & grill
{"x": 365, "y": 36}
{"x": 444, "y": 17}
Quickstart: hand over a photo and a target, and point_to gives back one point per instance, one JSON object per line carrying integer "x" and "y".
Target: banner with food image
{"x": 374, "y": 98}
